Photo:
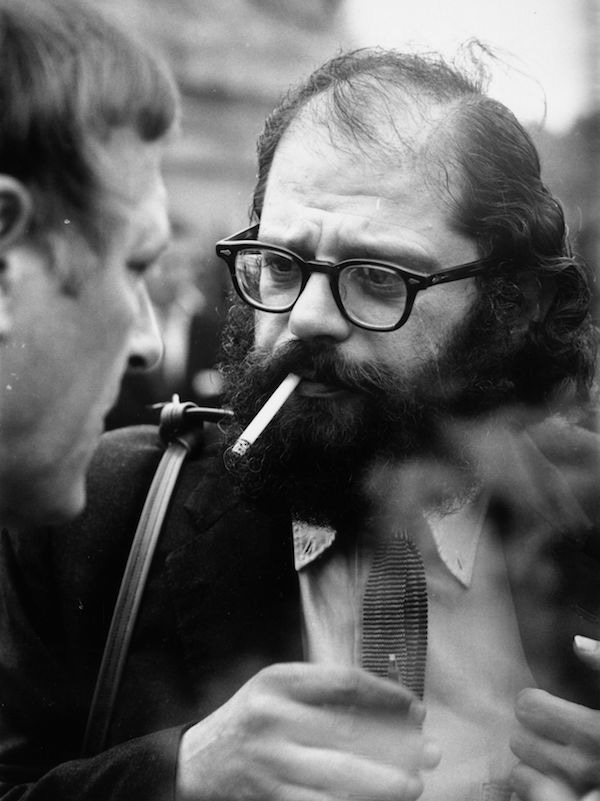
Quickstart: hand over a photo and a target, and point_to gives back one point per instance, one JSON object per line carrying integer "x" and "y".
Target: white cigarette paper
{"x": 258, "y": 424}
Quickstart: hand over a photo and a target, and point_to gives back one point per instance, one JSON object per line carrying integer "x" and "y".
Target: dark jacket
{"x": 221, "y": 602}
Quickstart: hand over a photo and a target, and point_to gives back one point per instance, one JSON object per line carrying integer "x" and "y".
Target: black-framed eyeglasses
{"x": 372, "y": 294}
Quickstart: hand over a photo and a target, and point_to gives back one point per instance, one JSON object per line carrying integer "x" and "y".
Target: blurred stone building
{"x": 233, "y": 59}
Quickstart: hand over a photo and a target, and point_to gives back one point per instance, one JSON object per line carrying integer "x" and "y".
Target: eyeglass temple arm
{"x": 456, "y": 273}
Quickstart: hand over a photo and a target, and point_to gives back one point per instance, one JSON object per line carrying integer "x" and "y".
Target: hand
{"x": 541, "y": 468}
{"x": 558, "y": 743}
{"x": 530, "y": 785}
{"x": 305, "y": 732}
{"x": 540, "y": 471}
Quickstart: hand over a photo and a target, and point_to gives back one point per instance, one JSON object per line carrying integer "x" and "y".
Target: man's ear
{"x": 538, "y": 294}
{"x": 15, "y": 211}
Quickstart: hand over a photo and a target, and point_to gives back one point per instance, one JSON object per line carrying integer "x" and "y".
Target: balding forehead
{"x": 382, "y": 126}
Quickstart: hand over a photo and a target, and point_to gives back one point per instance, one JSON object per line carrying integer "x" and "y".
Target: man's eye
{"x": 377, "y": 279}
{"x": 279, "y": 267}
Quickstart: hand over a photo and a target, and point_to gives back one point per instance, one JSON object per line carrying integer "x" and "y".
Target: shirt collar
{"x": 310, "y": 541}
{"x": 456, "y": 537}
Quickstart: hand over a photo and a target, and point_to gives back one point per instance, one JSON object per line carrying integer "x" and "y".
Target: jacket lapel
{"x": 232, "y": 583}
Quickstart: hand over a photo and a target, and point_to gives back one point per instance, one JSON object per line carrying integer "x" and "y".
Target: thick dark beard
{"x": 314, "y": 456}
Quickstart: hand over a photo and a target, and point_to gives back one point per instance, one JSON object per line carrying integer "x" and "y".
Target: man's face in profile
{"x": 71, "y": 340}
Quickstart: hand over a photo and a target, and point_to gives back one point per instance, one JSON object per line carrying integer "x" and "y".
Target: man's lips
{"x": 311, "y": 388}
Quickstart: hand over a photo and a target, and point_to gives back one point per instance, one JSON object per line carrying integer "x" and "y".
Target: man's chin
{"x": 47, "y": 500}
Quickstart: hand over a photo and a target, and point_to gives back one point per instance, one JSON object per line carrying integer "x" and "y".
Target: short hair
{"x": 500, "y": 199}
{"x": 68, "y": 77}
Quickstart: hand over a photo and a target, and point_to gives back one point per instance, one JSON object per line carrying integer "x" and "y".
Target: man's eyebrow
{"x": 396, "y": 254}
{"x": 371, "y": 248}
{"x": 389, "y": 250}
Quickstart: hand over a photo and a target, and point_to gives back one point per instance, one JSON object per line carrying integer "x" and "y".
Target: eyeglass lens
{"x": 370, "y": 294}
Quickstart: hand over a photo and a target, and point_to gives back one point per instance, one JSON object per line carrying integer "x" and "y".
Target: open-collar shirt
{"x": 475, "y": 661}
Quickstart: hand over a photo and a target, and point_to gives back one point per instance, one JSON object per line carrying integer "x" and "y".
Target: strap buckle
{"x": 184, "y": 418}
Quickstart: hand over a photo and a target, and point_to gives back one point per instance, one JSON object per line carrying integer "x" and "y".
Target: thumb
{"x": 588, "y": 651}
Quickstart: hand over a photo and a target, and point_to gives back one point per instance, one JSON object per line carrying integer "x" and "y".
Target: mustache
{"x": 322, "y": 364}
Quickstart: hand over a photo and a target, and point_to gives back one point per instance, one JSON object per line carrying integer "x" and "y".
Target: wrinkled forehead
{"x": 383, "y": 149}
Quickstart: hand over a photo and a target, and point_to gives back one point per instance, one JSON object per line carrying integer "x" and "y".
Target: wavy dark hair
{"x": 490, "y": 170}
{"x": 68, "y": 77}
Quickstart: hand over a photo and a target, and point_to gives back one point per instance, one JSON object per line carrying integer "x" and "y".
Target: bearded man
{"x": 408, "y": 264}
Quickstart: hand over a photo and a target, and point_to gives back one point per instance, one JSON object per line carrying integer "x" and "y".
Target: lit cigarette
{"x": 256, "y": 426}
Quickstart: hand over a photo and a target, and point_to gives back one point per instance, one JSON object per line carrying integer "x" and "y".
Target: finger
{"x": 588, "y": 651}
{"x": 531, "y": 785}
{"x": 327, "y": 684}
{"x": 558, "y": 719}
{"x": 575, "y": 450}
{"x": 512, "y": 462}
{"x": 301, "y": 794}
{"x": 566, "y": 443}
{"x": 378, "y": 736}
{"x": 502, "y": 463}
{"x": 295, "y": 793}
{"x": 565, "y": 762}
{"x": 555, "y": 492}
{"x": 353, "y": 777}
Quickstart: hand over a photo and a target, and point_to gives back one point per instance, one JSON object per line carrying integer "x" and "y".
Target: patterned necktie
{"x": 395, "y": 613}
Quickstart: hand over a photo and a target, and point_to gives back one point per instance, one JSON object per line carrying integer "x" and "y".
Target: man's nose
{"x": 316, "y": 314}
{"x": 146, "y": 345}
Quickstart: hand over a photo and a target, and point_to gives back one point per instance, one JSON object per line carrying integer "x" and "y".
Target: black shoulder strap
{"x": 181, "y": 427}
